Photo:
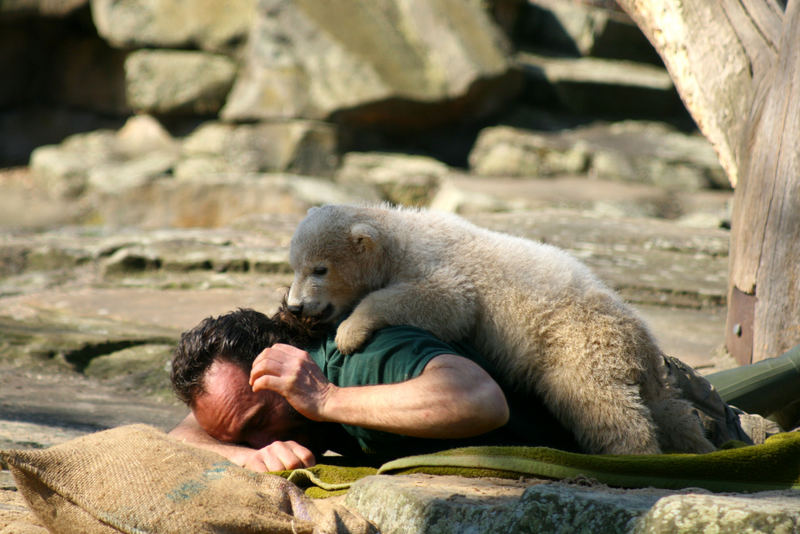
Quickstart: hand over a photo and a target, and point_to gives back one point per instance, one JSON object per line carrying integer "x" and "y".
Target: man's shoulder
{"x": 392, "y": 354}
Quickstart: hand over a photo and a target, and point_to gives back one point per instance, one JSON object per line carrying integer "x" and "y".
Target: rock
{"x": 724, "y": 514}
{"x": 423, "y": 503}
{"x": 217, "y": 200}
{"x": 206, "y": 24}
{"x": 653, "y": 153}
{"x": 594, "y": 86}
{"x": 187, "y": 256}
{"x": 25, "y": 207}
{"x": 142, "y": 134}
{"x": 399, "y": 64}
{"x": 580, "y": 28}
{"x": 106, "y": 161}
{"x": 141, "y": 368}
{"x": 631, "y": 151}
{"x": 465, "y": 193}
{"x": 505, "y": 151}
{"x": 304, "y": 147}
{"x": 401, "y": 179}
{"x": 179, "y": 81}
{"x": 63, "y": 169}
{"x": 73, "y": 341}
{"x": 143, "y": 151}
{"x": 116, "y": 176}
{"x": 453, "y": 198}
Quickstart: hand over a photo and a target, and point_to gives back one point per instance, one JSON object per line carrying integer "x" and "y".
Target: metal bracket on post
{"x": 739, "y": 326}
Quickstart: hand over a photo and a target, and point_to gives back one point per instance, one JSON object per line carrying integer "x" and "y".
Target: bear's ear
{"x": 363, "y": 236}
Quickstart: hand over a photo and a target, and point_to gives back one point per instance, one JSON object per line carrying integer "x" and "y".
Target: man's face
{"x": 229, "y": 410}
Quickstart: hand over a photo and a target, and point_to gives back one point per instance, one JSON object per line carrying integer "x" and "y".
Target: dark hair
{"x": 238, "y": 337}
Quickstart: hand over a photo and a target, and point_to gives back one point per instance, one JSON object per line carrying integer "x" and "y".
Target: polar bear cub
{"x": 537, "y": 313}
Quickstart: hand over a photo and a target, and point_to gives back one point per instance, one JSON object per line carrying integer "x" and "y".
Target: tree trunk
{"x": 736, "y": 64}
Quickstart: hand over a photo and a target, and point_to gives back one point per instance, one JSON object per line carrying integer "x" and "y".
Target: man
{"x": 279, "y": 407}
{"x": 406, "y": 392}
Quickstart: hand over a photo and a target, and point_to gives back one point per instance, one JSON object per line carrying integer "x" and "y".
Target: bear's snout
{"x": 296, "y": 309}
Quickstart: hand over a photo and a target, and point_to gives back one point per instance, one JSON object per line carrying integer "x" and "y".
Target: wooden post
{"x": 736, "y": 65}
{"x": 765, "y": 229}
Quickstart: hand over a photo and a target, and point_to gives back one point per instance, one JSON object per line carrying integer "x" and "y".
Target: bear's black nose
{"x": 297, "y": 309}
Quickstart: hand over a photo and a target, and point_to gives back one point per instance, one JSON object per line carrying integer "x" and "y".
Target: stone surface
{"x": 178, "y": 81}
{"x": 505, "y": 151}
{"x": 422, "y": 503}
{"x": 581, "y": 28}
{"x": 725, "y": 514}
{"x": 401, "y": 179}
{"x": 142, "y": 152}
{"x": 599, "y": 86}
{"x": 151, "y": 23}
{"x": 212, "y": 200}
{"x": 105, "y": 160}
{"x": 304, "y": 147}
{"x": 377, "y": 66}
{"x": 465, "y": 194}
{"x": 631, "y": 151}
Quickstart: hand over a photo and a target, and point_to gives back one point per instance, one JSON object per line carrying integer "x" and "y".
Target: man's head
{"x": 211, "y": 368}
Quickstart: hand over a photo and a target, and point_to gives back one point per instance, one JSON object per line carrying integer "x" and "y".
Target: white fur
{"x": 538, "y": 313}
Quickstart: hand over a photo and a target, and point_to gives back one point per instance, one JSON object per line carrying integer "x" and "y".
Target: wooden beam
{"x": 765, "y": 233}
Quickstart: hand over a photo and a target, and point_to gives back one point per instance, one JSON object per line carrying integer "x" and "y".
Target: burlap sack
{"x": 135, "y": 479}
{"x": 15, "y": 517}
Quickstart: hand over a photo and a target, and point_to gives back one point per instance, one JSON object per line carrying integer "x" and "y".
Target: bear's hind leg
{"x": 605, "y": 418}
{"x": 680, "y": 429}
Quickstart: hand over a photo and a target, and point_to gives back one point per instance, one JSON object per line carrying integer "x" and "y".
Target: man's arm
{"x": 452, "y": 398}
{"x": 276, "y": 456}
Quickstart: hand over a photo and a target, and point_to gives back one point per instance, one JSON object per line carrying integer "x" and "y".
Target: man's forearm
{"x": 189, "y": 431}
{"x": 452, "y": 398}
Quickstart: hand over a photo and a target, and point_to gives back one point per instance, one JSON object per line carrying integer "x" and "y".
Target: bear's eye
{"x": 320, "y": 271}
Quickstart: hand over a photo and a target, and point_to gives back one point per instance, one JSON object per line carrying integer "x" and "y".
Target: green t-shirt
{"x": 399, "y": 353}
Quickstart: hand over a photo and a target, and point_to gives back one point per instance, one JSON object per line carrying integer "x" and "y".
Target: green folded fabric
{"x": 773, "y": 465}
{"x": 324, "y": 480}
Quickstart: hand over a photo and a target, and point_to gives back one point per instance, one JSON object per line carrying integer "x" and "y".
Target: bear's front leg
{"x": 443, "y": 305}
{"x": 354, "y": 331}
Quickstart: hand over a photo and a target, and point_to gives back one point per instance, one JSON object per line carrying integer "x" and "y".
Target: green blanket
{"x": 773, "y": 465}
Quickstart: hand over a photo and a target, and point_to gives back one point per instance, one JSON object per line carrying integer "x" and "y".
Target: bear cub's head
{"x": 337, "y": 258}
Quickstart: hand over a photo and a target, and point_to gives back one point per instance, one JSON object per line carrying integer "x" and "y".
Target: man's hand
{"x": 292, "y": 373}
{"x": 277, "y": 456}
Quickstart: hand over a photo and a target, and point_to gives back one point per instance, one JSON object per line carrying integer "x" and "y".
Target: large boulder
{"x": 178, "y": 81}
{"x": 143, "y": 151}
{"x": 303, "y": 147}
{"x": 210, "y": 201}
{"x": 585, "y": 29}
{"x": 400, "y": 178}
{"x": 408, "y": 64}
{"x": 595, "y": 86}
{"x": 107, "y": 160}
{"x": 419, "y": 503}
{"x": 631, "y": 151}
{"x": 206, "y": 24}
